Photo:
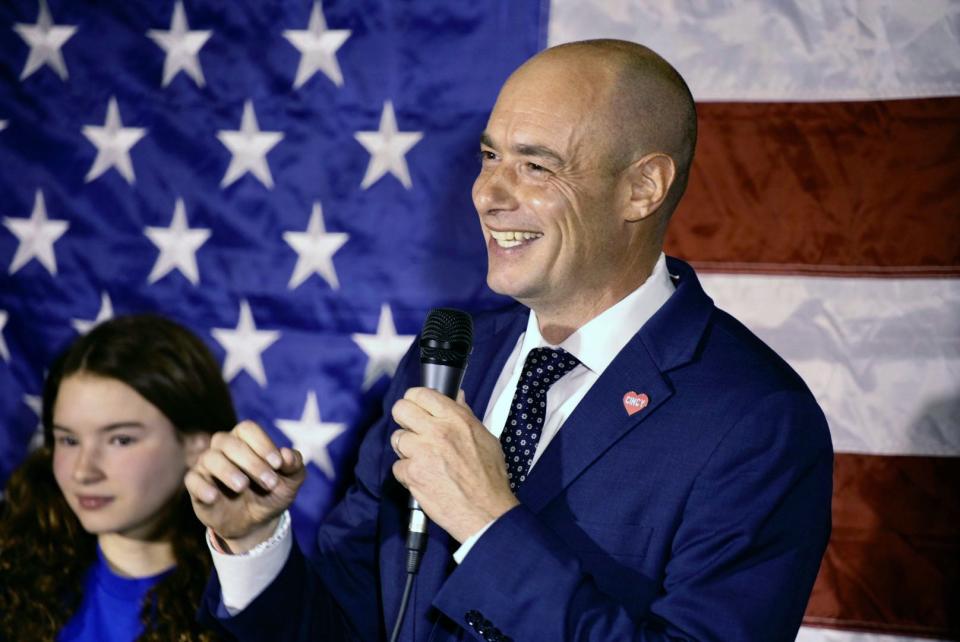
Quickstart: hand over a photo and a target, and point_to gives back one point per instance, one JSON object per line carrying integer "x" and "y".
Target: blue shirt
{"x": 110, "y": 609}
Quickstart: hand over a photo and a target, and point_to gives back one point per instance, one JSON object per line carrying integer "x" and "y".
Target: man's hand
{"x": 242, "y": 484}
{"x": 449, "y": 462}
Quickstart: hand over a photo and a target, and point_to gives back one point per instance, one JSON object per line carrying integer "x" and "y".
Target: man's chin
{"x": 503, "y": 285}
{"x": 508, "y": 287}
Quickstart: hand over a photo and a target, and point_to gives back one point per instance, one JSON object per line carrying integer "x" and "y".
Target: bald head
{"x": 639, "y": 104}
{"x": 584, "y": 157}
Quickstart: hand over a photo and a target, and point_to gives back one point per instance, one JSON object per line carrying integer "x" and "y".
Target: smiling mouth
{"x": 93, "y": 503}
{"x": 513, "y": 238}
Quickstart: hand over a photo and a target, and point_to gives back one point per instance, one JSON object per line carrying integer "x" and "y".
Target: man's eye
{"x": 533, "y": 167}
{"x": 486, "y": 155}
{"x": 122, "y": 440}
{"x": 64, "y": 440}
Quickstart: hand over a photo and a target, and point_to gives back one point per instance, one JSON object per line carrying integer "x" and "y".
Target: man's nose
{"x": 495, "y": 190}
{"x": 87, "y": 467}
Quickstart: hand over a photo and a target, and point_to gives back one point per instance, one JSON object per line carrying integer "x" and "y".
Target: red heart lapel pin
{"x": 634, "y": 403}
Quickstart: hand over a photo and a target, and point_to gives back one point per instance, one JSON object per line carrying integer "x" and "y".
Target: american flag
{"x": 291, "y": 180}
{"x": 822, "y": 211}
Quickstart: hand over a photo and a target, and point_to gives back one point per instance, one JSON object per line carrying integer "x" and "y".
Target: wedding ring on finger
{"x": 396, "y": 443}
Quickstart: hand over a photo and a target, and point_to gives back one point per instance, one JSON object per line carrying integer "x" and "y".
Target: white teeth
{"x": 513, "y": 238}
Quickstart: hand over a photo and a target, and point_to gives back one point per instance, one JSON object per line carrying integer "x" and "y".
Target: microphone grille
{"x": 447, "y": 337}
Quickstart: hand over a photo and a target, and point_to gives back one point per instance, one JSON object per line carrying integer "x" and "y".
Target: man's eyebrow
{"x": 537, "y": 151}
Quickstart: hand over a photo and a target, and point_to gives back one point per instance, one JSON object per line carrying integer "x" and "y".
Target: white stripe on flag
{"x": 785, "y": 50}
{"x": 881, "y": 355}
{"x": 815, "y": 634}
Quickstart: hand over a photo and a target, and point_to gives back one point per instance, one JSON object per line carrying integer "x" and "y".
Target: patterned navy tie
{"x": 542, "y": 369}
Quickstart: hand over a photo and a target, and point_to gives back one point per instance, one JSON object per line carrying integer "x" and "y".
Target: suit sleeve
{"x": 333, "y": 595}
{"x": 741, "y": 566}
{"x": 296, "y": 606}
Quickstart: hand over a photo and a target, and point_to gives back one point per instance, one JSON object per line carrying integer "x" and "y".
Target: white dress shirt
{"x": 595, "y": 344}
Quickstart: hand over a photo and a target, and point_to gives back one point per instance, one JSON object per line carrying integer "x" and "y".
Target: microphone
{"x": 445, "y": 343}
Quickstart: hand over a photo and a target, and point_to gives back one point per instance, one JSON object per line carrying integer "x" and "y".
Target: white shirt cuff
{"x": 468, "y": 543}
{"x": 243, "y": 577}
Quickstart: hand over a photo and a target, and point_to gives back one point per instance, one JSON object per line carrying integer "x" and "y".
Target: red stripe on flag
{"x": 893, "y": 563}
{"x": 869, "y": 188}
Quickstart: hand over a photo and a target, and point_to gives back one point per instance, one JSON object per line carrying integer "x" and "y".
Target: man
{"x": 672, "y": 482}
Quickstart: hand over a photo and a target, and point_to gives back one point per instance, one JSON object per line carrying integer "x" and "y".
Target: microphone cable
{"x": 416, "y": 543}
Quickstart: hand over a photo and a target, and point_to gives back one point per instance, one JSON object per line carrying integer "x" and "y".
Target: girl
{"x": 98, "y": 540}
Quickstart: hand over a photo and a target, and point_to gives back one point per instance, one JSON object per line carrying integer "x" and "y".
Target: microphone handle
{"x": 445, "y": 380}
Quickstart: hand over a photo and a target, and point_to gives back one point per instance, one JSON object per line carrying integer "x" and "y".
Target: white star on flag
{"x": 4, "y": 350}
{"x": 182, "y": 47}
{"x": 384, "y": 349}
{"x": 113, "y": 142}
{"x": 244, "y": 345}
{"x": 249, "y": 147}
{"x": 318, "y": 48}
{"x": 83, "y": 326}
{"x": 3, "y": 125}
{"x": 35, "y": 403}
{"x": 315, "y": 249}
{"x": 387, "y": 148}
{"x": 45, "y": 40}
{"x": 37, "y": 235}
{"x": 311, "y": 436}
{"x": 178, "y": 245}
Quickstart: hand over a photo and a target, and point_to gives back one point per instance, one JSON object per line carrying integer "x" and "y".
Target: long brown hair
{"x": 45, "y": 552}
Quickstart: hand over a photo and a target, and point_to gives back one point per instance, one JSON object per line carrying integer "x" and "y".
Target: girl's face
{"x": 117, "y": 459}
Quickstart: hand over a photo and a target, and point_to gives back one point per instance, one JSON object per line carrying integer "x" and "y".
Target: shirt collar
{"x": 598, "y": 341}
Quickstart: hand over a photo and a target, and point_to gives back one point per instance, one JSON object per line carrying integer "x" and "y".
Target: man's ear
{"x": 649, "y": 179}
{"x": 194, "y": 444}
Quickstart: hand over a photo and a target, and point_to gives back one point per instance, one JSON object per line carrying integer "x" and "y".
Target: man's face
{"x": 548, "y": 194}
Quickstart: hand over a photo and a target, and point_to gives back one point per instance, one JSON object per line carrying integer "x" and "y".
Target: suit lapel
{"x": 598, "y": 422}
{"x": 492, "y": 346}
{"x": 668, "y": 340}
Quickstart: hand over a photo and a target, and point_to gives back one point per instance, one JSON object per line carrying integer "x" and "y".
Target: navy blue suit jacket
{"x": 703, "y": 516}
